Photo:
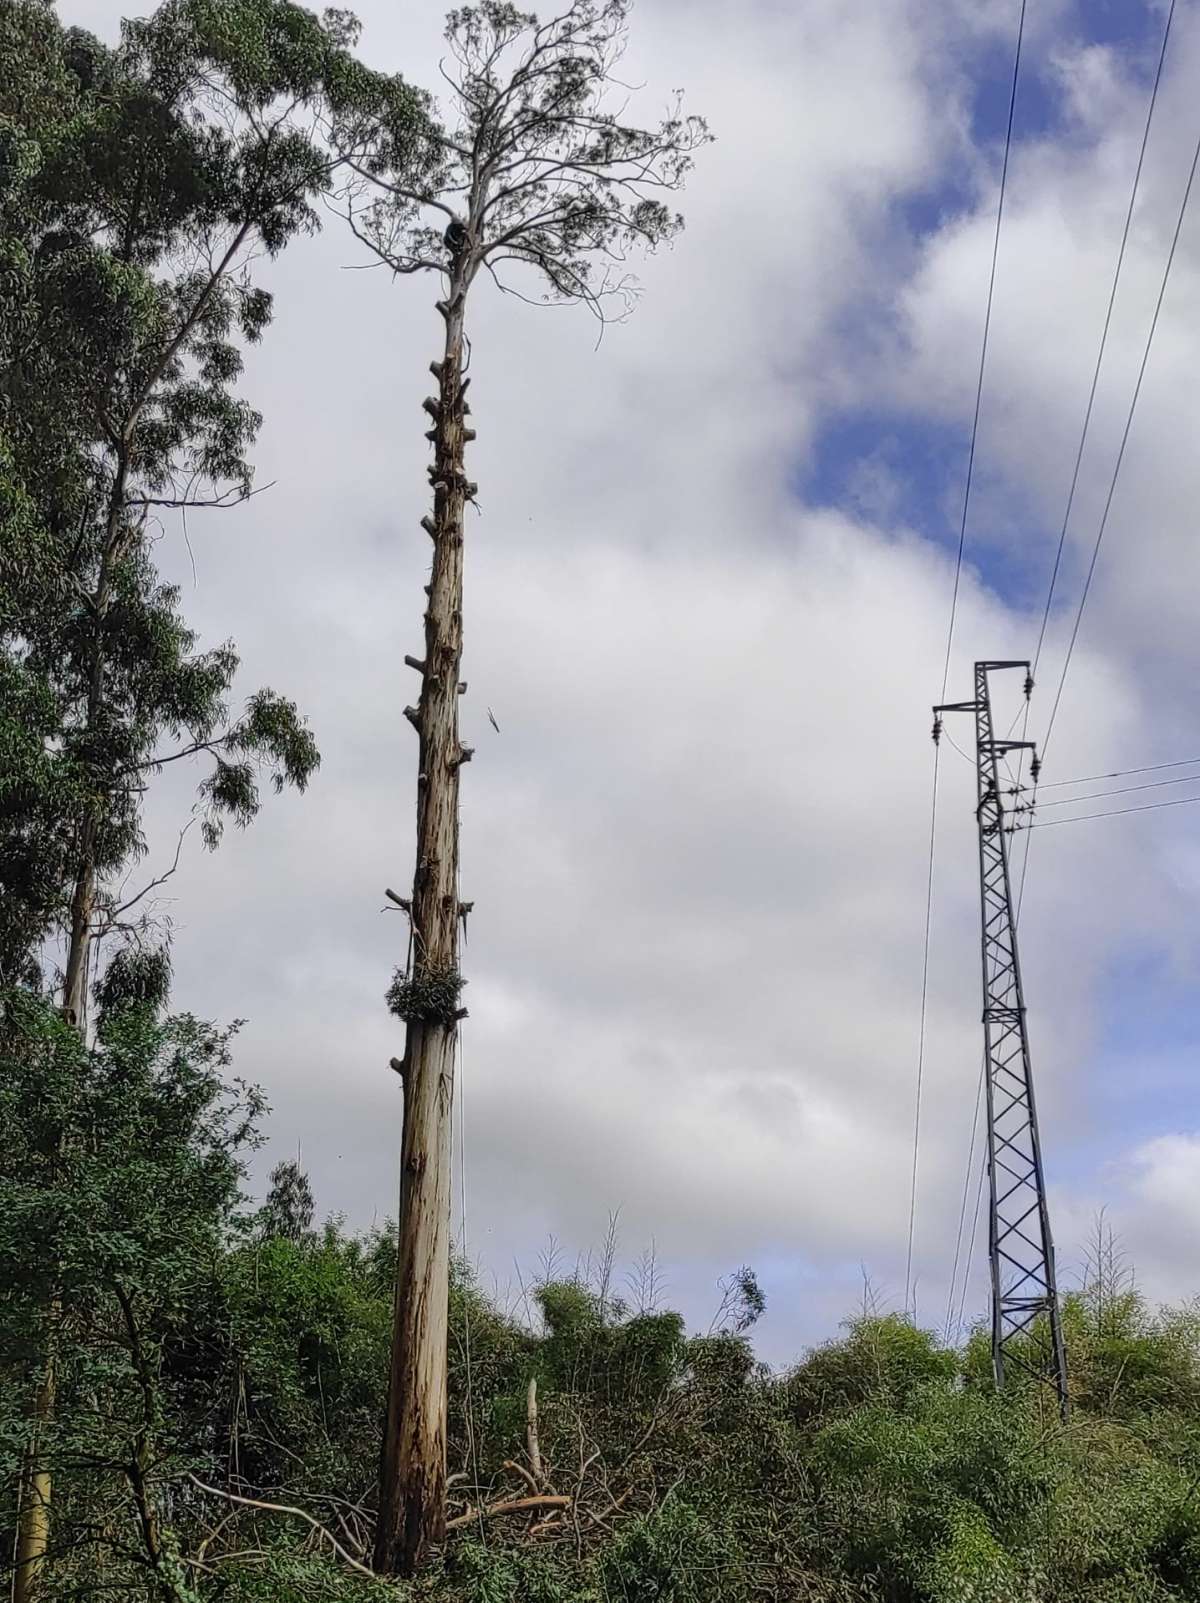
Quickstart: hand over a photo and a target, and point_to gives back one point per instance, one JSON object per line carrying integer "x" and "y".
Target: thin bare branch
{"x": 154, "y": 883}
{"x": 290, "y": 1509}
{"x": 234, "y": 496}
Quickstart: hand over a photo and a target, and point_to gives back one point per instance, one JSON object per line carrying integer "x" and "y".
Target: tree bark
{"x": 83, "y": 899}
{"x": 33, "y": 1529}
{"x": 531, "y": 1432}
{"x": 412, "y": 1480}
{"x": 80, "y": 941}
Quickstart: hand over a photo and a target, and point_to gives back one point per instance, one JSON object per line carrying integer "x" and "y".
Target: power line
{"x": 1137, "y": 390}
{"x": 1122, "y": 790}
{"x": 1116, "y": 812}
{"x": 912, "y": 1201}
{"x": 987, "y": 324}
{"x": 1105, "y": 515}
{"x": 962, "y": 1303}
{"x": 962, "y": 538}
{"x": 1112, "y": 298}
{"x": 962, "y": 1212}
{"x": 1121, "y": 773}
{"x": 1087, "y": 420}
{"x": 1024, "y": 871}
{"x": 472, "y": 1435}
{"x": 946, "y": 735}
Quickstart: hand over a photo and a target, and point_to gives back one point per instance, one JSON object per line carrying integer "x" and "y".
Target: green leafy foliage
{"x": 218, "y": 1373}
{"x": 882, "y": 1360}
{"x": 670, "y": 1554}
{"x": 120, "y": 1183}
{"x": 139, "y": 183}
{"x": 429, "y": 995}
{"x": 288, "y": 1210}
{"x": 308, "y": 1320}
{"x": 204, "y": 1351}
{"x": 136, "y": 977}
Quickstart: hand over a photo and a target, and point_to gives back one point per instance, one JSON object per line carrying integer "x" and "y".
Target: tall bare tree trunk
{"x": 412, "y": 1483}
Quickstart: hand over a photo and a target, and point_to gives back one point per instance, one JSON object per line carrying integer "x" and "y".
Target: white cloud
{"x": 697, "y": 845}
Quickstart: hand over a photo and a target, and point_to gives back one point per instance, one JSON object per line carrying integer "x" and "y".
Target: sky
{"x": 708, "y": 595}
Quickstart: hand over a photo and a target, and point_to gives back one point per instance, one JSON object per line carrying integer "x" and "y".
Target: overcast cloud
{"x": 707, "y": 601}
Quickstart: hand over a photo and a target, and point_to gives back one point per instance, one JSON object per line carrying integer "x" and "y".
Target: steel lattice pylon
{"x": 1026, "y": 1322}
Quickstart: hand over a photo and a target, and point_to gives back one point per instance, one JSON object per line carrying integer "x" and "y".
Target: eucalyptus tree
{"x": 119, "y": 1192}
{"x": 287, "y": 1211}
{"x": 146, "y": 181}
{"x": 38, "y": 98}
{"x": 139, "y": 185}
{"x": 541, "y": 186}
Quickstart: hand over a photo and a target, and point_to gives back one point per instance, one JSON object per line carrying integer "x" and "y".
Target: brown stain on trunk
{"x": 412, "y": 1503}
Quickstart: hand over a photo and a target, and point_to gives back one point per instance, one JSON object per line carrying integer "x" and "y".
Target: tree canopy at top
{"x": 138, "y": 185}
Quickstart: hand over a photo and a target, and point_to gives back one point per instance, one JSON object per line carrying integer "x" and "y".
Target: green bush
{"x": 882, "y": 1468}
{"x": 882, "y": 1360}
{"x": 672, "y": 1555}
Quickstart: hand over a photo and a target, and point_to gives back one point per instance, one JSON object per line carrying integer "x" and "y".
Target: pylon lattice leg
{"x": 1026, "y": 1321}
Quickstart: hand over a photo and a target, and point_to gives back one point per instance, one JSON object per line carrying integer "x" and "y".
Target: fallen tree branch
{"x": 285, "y": 1508}
{"x": 548, "y": 1524}
{"x": 519, "y": 1469}
{"x": 515, "y": 1505}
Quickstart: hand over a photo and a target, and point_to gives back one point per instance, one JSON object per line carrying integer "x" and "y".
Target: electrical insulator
{"x": 937, "y": 730}
{"x": 1035, "y": 767}
{"x": 1028, "y": 686}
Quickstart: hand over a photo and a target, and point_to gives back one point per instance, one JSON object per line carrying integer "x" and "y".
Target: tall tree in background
{"x": 138, "y": 186}
{"x": 541, "y": 182}
{"x": 144, "y": 182}
{"x": 39, "y": 97}
{"x": 287, "y": 1212}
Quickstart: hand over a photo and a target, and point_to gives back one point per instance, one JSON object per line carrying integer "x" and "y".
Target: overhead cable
{"x": 962, "y": 538}
{"x": 1121, "y": 773}
{"x": 1137, "y": 390}
{"x": 1112, "y": 298}
{"x": 1087, "y": 420}
{"x": 962, "y": 1212}
{"x": 1116, "y": 812}
{"x": 987, "y": 325}
{"x": 1121, "y": 790}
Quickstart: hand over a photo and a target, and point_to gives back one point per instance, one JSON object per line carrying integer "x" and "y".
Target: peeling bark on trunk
{"x": 412, "y": 1500}
{"x": 531, "y": 1433}
{"x": 80, "y": 943}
